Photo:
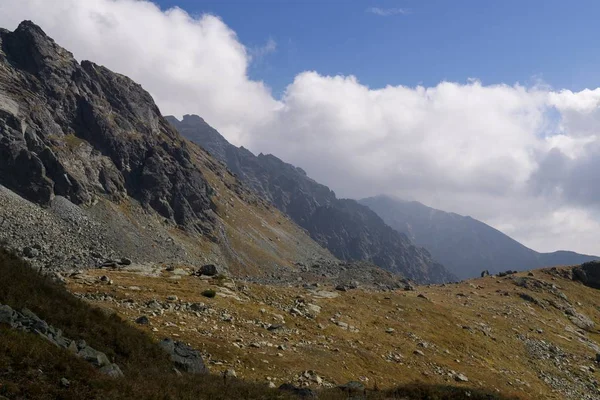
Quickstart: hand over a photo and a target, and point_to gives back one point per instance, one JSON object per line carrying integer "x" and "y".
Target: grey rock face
{"x": 81, "y": 131}
{"x": 348, "y": 229}
{"x": 29, "y": 322}
{"x": 184, "y": 357}
{"x": 588, "y": 274}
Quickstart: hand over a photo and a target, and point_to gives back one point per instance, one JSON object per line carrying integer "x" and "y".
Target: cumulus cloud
{"x": 386, "y": 12}
{"x": 188, "y": 64}
{"x": 524, "y": 159}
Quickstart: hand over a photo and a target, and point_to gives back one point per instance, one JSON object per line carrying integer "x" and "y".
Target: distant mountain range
{"x": 350, "y": 230}
{"x": 464, "y": 245}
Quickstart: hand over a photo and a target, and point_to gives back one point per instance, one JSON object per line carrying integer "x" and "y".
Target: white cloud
{"x": 188, "y": 64}
{"x": 525, "y": 159}
{"x": 260, "y": 52}
{"x": 386, "y": 12}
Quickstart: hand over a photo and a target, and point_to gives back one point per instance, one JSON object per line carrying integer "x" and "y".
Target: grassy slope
{"x": 31, "y": 368}
{"x": 475, "y": 327}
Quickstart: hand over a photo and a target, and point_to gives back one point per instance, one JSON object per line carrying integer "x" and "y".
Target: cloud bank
{"x": 524, "y": 159}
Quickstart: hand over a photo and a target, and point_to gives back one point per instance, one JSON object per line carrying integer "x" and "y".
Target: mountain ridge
{"x": 348, "y": 229}
{"x": 462, "y": 243}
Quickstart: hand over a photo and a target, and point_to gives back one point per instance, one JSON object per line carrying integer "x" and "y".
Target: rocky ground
{"x": 529, "y": 334}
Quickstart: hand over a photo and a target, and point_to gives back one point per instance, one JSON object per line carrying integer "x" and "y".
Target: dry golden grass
{"x": 449, "y": 321}
{"x": 32, "y": 368}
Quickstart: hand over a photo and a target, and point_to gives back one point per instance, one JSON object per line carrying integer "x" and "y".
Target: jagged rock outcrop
{"x": 462, "y": 244}
{"x": 588, "y": 274}
{"x": 81, "y": 131}
{"x": 348, "y": 229}
{"x": 26, "y": 321}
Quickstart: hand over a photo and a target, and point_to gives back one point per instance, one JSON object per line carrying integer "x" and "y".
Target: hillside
{"x": 464, "y": 245}
{"x": 348, "y": 229}
{"x": 92, "y": 174}
{"x": 33, "y": 367}
{"x": 530, "y": 334}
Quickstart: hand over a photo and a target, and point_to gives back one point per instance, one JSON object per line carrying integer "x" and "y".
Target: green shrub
{"x": 210, "y": 293}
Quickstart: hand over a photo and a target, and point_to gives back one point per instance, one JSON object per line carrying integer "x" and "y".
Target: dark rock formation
{"x": 348, "y": 229}
{"x": 588, "y": 274}
{"x": 28, "y": 322}
{"x": 462, "y": 244}
{"x": 81, "y": 131}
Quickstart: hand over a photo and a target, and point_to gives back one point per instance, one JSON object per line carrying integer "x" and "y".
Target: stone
{"x": 390, "y": 330}
{"x": 30, "y": 252}
{"x": 96, "y": 358}
{"x": 112, "y": 370}
{"x": 7, "y": 315}
{"x": 461, "y": 378}
{"x": 143, "y": 320}
{"x": 184, "y": 357}
{"x": 485, "y": 273}
{"x": 230, "y": 373}
{"x": 64, "y": 382}
{"x": 208, "y": 270}
{"x": 124, "y": 261}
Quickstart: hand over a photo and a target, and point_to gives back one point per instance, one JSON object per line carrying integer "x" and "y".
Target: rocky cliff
{"x": 348, "y": 229}
{"x": 49, "y": 103}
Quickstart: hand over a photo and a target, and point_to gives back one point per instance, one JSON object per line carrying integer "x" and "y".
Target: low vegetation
{"x": 32, "y": 368}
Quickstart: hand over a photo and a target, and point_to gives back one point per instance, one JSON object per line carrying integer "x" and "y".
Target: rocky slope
{"x": 91, "y": 174}
{"x": 464, "y": 245}
{"x": 348, "y": 229}
{"x": 532, "y": 334}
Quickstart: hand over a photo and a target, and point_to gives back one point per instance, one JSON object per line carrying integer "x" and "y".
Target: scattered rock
{"x": 143, "y": 320}
{"x": 461, "y": 378}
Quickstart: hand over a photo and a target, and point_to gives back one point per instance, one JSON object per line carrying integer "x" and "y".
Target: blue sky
{"x": 504, "y": 41}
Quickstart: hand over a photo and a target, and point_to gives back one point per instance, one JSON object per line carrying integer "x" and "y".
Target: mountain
{"x": 464, "y": 245}
{"x": 91, "y": 173}
{"x": 348, "y": 229}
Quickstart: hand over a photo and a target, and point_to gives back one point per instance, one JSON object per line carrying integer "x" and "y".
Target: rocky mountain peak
{"x": 31, "y": 50}
{"x": 83, "y": 131}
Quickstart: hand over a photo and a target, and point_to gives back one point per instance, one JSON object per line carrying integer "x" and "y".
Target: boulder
{"x": 208, "y": 270}
{"x": 588, "y": 274}
{"x": 184, "y": 357}
{"x": 94, "y": 357}
{"x": 7, "y": 315}
{"x": 112, "y": 370}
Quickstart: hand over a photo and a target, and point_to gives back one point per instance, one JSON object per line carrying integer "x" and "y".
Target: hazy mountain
{"x": 348, "y": 229}
{"x": 464, "y": 245}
